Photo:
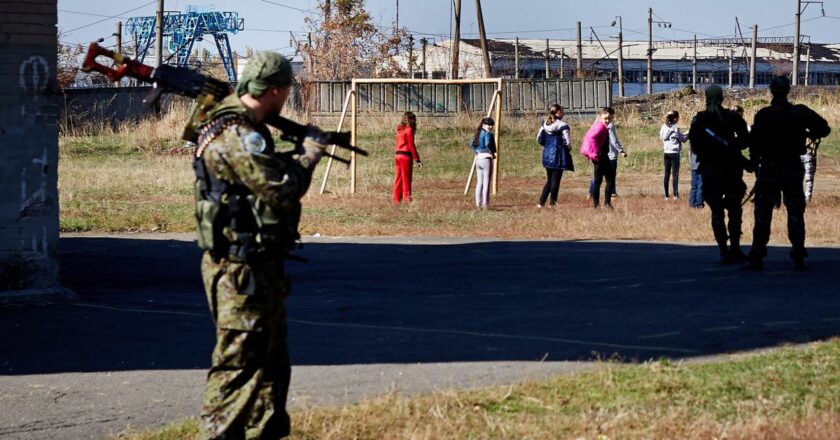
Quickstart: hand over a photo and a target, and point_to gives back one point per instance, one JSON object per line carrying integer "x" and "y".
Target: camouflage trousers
{"x": 723, "y": 194}
{"x": 249, "y": 378}
{"x": 773, "y": 181}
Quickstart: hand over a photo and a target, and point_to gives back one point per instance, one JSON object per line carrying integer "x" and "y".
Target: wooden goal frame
{"x": 351, "y": 103}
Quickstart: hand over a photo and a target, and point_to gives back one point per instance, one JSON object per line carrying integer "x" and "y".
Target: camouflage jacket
{"x": 262, "y": 209}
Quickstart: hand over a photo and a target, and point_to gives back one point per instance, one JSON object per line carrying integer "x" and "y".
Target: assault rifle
{"x": 205, "y": 90}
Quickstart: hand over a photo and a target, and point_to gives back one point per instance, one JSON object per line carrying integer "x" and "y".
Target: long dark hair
{"x": 409, "y": 120}
{"x": 672, "y": 117}
{"x": 488, "y": 121}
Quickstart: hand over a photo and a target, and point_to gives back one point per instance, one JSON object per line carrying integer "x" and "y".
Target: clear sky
{"x": 267, "y": 23}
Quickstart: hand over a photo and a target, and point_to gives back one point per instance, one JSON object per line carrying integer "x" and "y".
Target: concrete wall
{"x": 28, "y": 146}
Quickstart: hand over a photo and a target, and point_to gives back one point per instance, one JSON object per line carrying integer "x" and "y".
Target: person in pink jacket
{"x": 596, "y": 147}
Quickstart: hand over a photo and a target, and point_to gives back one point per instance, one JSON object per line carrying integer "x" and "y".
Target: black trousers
{"x": 724, "y": 193}
{"x": 552, "y": 186}
{"x": 603, "y": 170}
{"x": 773, "y": 182}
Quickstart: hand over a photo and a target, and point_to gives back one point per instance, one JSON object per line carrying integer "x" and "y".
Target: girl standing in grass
{"x": 672, "y": 139}
{"x": 484, "y": 146}
{"x": 554, "y": 136}
{"x": 405, "y": 152}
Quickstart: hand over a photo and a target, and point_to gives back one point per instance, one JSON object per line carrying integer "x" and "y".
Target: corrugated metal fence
{"x": 518, "y": 96}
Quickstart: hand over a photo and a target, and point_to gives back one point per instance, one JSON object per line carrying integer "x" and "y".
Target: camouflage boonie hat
{"x": 265, "y": 70}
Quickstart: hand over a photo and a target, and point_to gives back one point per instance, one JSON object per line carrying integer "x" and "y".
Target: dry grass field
{"x": 138, "y": 178}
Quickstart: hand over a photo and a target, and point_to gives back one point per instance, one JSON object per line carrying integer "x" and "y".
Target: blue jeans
{"x": 695, "y": 196}
{"x": 614, "y": 163}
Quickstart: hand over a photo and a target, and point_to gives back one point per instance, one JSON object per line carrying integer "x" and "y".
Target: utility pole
{"x": 488, "y": 70}
{"x": 808, "y": 65}
{"x": 516, "y": 59}
{"x": 650, "y": 52}
{"x": 694, "y": 65}
{"x": 562, "y": 62}
{"x": 398, "y": 14}
{"x": 754, "y": 52}
{"x": 456, "y": 40}
{"x": 327, "y": 9}
{"x": 620, "y": 57}
{"x": 547, "y": 67}
{"x": 118, "y": 35}
{"x": 118, "y": 49}
{"x": 731, "y": 74}
{"x": 159, "y": 35}
{"x": 410, "y": 56}
{"x": 579, "y": 66}
{"x": 794, "y": 79}
{"x": 423, "y": 43}
{"x": 309, "y": 60}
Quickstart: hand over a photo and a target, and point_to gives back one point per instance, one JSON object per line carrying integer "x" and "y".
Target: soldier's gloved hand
{"x": 314, "y": 143}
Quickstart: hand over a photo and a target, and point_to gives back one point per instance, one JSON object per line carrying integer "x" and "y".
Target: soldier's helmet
{"x": 265, "y": 69}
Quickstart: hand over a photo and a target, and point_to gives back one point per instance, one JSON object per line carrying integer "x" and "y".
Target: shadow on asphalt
{"x": 141, "y": 305}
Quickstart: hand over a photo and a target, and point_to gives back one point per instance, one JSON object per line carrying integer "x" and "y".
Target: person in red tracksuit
{"x": 405, "y": 152}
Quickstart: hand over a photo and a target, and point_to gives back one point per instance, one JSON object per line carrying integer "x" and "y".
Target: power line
{"x": 89, "y": 14}
{"x": 111, "y": 17}
{"x": 305, "y": 11}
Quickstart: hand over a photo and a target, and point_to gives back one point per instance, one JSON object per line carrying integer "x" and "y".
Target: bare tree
{"x": 345, "y": 43}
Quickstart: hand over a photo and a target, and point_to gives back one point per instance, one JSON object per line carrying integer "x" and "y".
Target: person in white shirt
{"x": 672, "y": 139}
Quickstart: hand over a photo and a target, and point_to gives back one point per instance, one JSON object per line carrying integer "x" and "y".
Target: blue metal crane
{"x": 182, "y": 30}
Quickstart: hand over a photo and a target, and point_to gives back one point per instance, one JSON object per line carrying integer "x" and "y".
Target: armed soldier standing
{"x": 247, "y": 209}
{"x": 778, "y": 140}
{"x": 717, "y": 136}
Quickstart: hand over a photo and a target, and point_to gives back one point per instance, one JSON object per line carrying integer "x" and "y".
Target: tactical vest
{"x": 231, "y": 222}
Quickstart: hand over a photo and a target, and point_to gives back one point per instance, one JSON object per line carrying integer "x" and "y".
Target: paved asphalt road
{"x": 372, "y": 316}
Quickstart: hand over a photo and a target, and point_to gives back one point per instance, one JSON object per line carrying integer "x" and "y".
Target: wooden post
{"x": 497, "y": 135}
{"x": 456, "y": 41}
{"x": 488, "y": 70}
{"x": 332, "y": 153}
{"x": 547, "y": 72}
{"x": 752, "y": 57}
{"x": 516, "y": 59}
{"x": 353, "y": 137}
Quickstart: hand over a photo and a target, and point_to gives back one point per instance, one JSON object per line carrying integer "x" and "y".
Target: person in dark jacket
{"x": 554, "y": 136}
{"x": 718, "y": 136}
{"x": 778, "y": 139}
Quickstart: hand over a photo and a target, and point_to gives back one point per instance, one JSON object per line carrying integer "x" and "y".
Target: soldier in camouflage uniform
{"x": 777, "y": 141}
{"x": 247, "y": 209}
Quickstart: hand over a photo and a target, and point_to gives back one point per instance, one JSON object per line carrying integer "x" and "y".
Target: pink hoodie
{"x": 593, "y": 139}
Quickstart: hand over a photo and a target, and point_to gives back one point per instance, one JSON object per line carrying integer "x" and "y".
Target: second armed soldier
{"x": 778, "y": 140}
{"x": 718, "y": 136}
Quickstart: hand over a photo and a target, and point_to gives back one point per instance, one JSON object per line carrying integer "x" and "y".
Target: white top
{"x": 672, "y": 138}
{"x": 558, "y": 126}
